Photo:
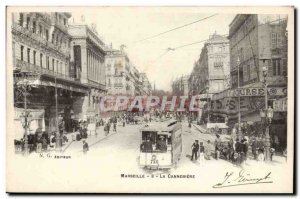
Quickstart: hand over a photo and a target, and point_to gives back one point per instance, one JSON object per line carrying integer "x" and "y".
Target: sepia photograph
{"x": 194, "y": 100}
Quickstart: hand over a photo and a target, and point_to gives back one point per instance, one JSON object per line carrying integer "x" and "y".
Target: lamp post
{"x": 267, "y": 116}
{"x": 208, "y": 105}
{"x": 239, "y": 100}
{"x": 58, "y": 137}
{"x": 25, "y": 120}
{"x": 25, "y": 116}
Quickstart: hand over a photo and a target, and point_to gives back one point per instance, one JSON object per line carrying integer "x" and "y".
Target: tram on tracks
{"x": 161, "y": 144}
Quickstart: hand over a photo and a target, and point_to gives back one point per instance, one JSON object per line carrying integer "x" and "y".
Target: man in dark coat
{"x": 147, "y": 146}
{"x": 254, "y": 147}
{"x": 195, "y": 149}
{"x": 161, "y": 144}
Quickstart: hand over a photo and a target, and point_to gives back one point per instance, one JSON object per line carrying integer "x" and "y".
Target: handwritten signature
{"x": 243, "y": 178}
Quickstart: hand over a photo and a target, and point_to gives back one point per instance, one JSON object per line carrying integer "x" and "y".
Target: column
{"x": 88, "y": 60}
{"x": 84, "y": 67}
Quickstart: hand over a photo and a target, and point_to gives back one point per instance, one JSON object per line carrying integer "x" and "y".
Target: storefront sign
{"x": 248, "y": 92}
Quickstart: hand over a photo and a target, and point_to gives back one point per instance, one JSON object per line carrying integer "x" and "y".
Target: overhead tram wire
{"x": 173, "y": 29}
{"x": 197, "y": 42}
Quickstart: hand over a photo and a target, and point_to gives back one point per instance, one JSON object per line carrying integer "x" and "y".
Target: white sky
{"x": 125, "y": 25}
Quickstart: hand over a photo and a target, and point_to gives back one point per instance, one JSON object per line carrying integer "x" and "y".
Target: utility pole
{"x": 58, "y": 138}
{"x": 239, "y": 101}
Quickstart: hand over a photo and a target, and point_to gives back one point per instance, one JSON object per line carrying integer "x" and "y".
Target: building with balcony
{"x": 257, "y": 42}
{"x": 146, "y": 86}
{"x": 87, "y": 65}
{"x": 40, "y": 52}
{"x": 122, "y": 78}
{"x": 211, "y": 72}
{"x": 212, "y": 68}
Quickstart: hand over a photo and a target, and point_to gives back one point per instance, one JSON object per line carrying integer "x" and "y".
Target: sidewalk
{"x": 76, "y": 146}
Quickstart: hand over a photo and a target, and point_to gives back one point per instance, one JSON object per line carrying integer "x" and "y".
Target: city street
{"x": 123, "y": 147}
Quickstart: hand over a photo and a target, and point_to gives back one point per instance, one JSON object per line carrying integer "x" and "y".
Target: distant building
{"x": 118, "y": 70}
{"x": 88, "y": 67}
{"x": 146, "y": 86}
{"x": 180, "y": 86}
{"x": 122, "y": 77}
{"x": 212, "y": 68}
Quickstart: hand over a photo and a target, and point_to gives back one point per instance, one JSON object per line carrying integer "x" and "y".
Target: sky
{"x": 127, "y": 25}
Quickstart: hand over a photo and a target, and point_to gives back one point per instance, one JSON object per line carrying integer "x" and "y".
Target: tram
{"x": 161, "y": 144}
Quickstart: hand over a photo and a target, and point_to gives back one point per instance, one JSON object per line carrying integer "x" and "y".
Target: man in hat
{"x": 218, "y": 143}
{"x": 146, "y": 146}
{"x": 195, "y": 149}
{"x": 161, "y": 144}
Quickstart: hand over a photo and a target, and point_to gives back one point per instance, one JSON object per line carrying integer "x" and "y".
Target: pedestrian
{"x": 254, "y": 148}
{"x": 242, "y": 151}
{"x": 195, "y": 149}
{"x": 108, "y": 127}
{"x": 161, "y": 144}
{"x": 44, "y": 144}
{"x": 115, "y": 126}
{"x": 123, "y": 122}
{"x": 208, "y": 150}
{"x": 218, "y": 144}
{"x": 146, "y": 146}
{"x": 85, "y": 146}
{"x": 201, "y": 156}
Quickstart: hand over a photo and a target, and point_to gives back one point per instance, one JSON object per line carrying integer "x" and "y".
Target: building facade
{"x": 211, "y": 74}
{"x": 122, "y": 77}
{"x": 87, "y": 65}
{"x": 212, "y": 68}
{"x": 118, "y": 78}
{"x": 180, "y": 86}
{"x": 40, "y": 49}
{"x": 146, "y": 86}
{"x": 256, "y": 42}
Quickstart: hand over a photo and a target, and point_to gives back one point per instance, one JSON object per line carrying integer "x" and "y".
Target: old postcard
{"x": 150, "y": 99}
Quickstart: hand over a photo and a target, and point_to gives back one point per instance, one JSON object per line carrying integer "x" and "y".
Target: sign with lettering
{"x": 247, "y": 92}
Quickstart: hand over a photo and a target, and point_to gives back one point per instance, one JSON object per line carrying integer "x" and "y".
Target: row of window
{"x": 56, "y": 65}
{"x": 42, "y": 31}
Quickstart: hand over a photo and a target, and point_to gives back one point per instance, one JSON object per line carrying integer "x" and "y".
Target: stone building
{"x": 210, "y": 74}
{"x": 122, "y": 77}
{"x": 180, "y": 86}
{"x": 40, "y": 52}
{"x": 256, "y": 42}
{"x": 87, "y": 65}
{"x": 212, "y": 68}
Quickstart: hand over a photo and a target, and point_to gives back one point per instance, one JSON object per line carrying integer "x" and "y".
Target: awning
{"x": 34, "y": 113}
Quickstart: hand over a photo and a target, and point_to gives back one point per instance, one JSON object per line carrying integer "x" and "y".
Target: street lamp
{"x": 267, "y": 115}
{"x": 239, "y": 100}
{"x": 25, "y": 120}
{"x": 58, "y": 137}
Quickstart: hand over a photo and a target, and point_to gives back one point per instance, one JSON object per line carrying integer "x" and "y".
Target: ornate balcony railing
{"x": 16, "y": 27}
{"x": 118, "y": 85}
{"x": 28, "y": 67}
